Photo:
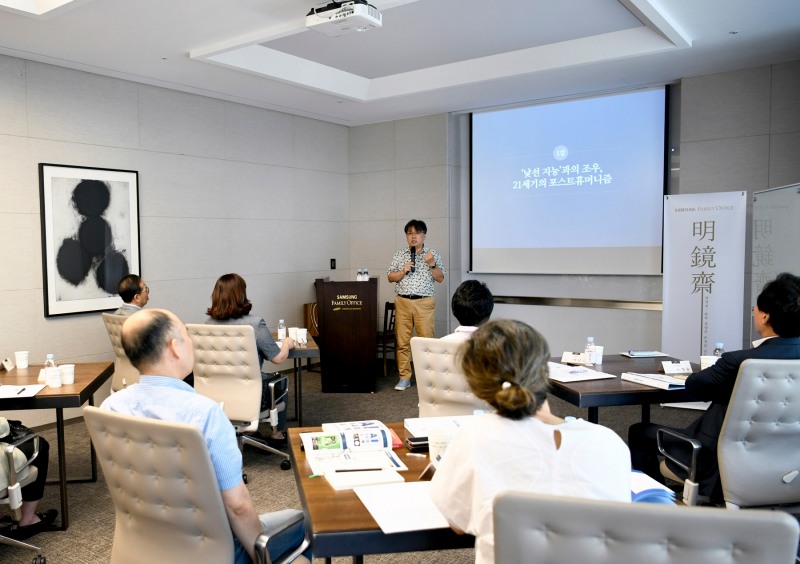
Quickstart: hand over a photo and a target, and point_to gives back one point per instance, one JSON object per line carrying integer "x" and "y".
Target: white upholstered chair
{"x": 227, "y": 369}
{"x": 560, "y": 530}
{"x": 15, "y": 472}
{"x": 442, "y": 388}
{"x": 165, "y": 493}
{"x": 757, "y": 452}
{"x": 124, "y": 372}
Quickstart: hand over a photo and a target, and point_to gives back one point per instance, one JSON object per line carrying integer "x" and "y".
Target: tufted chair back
{"x": 563, "y": 530}
{"x": 442, "y": 388}
{"x": 124, "y": 372}
{"x": 226, "y": 368}
{"x": 759, "y": 445}
{"x": 167, "y": 501}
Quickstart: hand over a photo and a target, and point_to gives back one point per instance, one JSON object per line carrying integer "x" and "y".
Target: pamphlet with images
{"x": 357, "y": 448}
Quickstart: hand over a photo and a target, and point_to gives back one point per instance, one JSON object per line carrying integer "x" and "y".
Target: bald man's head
{"x": 147, "y": 337}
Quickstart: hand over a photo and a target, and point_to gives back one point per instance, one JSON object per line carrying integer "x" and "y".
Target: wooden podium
{"x": 348, "y": 318}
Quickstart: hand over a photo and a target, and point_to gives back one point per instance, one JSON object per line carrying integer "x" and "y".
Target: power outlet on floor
{"x": 333, "y": 264}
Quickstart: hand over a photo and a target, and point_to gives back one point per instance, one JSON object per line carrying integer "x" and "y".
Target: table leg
{"x": 92, "y": 453}
{"x": 62, "y": 467}
{"x": 594, "y": 414}
{"x": 298, "y": 390}
{"x": 358, "y": 559}
{"x": 645, "y": 413}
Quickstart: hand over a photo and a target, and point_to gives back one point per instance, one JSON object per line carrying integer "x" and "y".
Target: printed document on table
{"x": 564, "y": 373}
{"x": 398, "y": 508}
{"x": 27, "y": 391}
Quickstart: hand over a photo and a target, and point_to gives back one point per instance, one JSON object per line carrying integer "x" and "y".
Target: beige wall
{"x": 223, "y": 188}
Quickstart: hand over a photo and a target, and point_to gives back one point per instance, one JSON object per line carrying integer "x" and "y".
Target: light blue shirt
{"x": 169, "y": 399}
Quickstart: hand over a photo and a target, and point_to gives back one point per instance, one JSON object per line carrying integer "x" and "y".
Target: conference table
{"x": 89, "y": 377}
{"x": 594, "y": 394}
{"x": 338, "y": 524}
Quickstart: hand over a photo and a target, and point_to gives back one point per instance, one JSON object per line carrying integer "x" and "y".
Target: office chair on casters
{"x": 166, "y": 498}
{"x": 15, "y": 472}
{"x": 759, "y": 462}
{"x": 124, "y": 372}
{"x": 227, "y": 369}
{"x": 442, "y": 388}
{"x": 387, "y": 339}
{"x": 564, "y": 530}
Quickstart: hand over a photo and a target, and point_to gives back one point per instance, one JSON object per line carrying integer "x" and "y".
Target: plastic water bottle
{"x": 52, "y": 374}
{"x": 588, "y": 350}
{"x": 365, "y": 276}
{"x": 281, "y": 330}
{"x": 360, "y": 275}
{"x": 719, "y": 348}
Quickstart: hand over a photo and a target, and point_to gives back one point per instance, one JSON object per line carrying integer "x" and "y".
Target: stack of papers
{"x": 402, "y": 507}
{"x": 422, "y": 426}
{"x": 349, "y": 479}
{"x": 564, "y": 373}
{"x": 662, "y": 381}
{"x": 28, "y": 391}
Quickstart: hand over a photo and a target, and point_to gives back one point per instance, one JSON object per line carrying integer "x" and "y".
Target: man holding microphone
{"x": 414, "y": 269}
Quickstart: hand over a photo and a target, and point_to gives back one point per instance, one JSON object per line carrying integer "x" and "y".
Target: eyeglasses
{"x": 410, "y": 233}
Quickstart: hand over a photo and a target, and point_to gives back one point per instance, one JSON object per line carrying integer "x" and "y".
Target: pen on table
{"x": 21, "y": 390}
{"x": 315, "y": 475}
{"x": 415, "y": 454}
{"x": 359, "y": 470}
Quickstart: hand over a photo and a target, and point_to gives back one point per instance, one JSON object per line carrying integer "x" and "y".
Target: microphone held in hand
{"x": 413, "y": 259}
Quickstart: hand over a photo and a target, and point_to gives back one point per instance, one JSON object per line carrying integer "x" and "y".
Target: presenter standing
{"x": 414, "y": 269}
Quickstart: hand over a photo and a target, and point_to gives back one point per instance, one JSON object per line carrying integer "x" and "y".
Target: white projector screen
{"x": 571, "y": 187}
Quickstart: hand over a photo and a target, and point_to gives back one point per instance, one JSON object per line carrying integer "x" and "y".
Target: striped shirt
{"x": 170, "y": 399}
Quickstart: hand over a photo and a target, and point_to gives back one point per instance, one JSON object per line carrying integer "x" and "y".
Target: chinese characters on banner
{"x": 704, "y": 247}
{"x": 776, "y": 231}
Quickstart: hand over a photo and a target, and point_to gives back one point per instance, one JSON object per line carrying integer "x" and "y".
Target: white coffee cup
{"x": 21, "y": 358}
{"x": 293, "y": 333}
{"x": 437, "y": 444}
{"x": 707, "y": 360}
{"x": 302, "y": 337}
{"x": 52, "y": 377}
{"x": 67, "y": 373}
{"x": 597, "y": 355}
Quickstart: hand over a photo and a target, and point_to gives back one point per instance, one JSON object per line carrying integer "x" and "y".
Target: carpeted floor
{"x": 91, "y": 511}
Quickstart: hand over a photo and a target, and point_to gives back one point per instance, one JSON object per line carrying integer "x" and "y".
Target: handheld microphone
{"x": 413, "y": 259}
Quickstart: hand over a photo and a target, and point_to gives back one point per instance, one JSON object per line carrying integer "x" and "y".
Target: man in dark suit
{"x": 777, "y": 319}
{"x": 134, "y": 292}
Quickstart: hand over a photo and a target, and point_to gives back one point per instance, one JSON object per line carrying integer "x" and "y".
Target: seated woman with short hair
{"x": 522, "y": 446}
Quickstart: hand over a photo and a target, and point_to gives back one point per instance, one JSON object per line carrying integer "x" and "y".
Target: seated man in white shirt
{"x": 472, "y": 304}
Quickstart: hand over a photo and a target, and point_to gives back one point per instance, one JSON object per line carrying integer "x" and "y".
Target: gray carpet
{"x": 91, "y": 530}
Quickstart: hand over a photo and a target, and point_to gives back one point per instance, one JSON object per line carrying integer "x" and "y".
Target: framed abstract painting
{"x": 90, "y": 236}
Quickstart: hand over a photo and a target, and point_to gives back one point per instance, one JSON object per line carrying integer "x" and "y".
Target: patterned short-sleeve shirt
{"x": 419, "y": 283}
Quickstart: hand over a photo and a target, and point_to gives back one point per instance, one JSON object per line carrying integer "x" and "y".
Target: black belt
{"x": 413, "y": 296}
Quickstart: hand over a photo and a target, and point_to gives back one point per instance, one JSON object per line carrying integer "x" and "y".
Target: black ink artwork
{"x": 92, "y": 249}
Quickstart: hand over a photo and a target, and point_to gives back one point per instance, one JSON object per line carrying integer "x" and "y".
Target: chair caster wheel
{"x": 244, "y": 478}
{"x": 286, "y": 464}
{"x": 39, "y": 560}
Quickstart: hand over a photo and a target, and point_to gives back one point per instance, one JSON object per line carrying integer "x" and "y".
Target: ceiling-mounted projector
{"x": 341, "y": 18}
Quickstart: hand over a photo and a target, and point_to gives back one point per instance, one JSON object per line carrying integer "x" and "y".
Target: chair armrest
{"x": 691, "y": 469}
{"x": 262, "y": 554}
{"x": 9, "y": 452}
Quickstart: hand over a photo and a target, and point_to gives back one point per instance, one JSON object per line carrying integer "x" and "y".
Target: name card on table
{"x": 677, "y": 367}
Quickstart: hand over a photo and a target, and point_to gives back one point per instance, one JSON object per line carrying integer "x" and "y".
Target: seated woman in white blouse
{"x": 522, "y": 446}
